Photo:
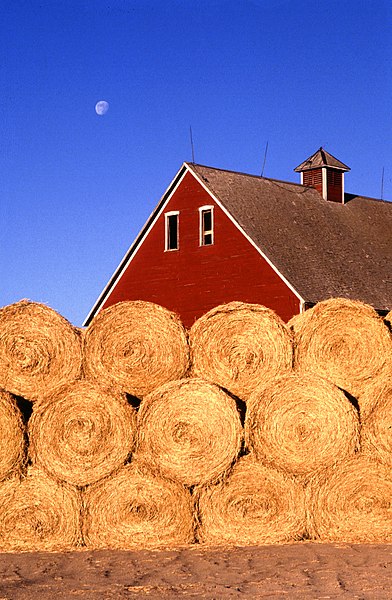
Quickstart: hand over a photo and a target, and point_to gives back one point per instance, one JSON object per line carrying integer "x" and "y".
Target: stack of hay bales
{"x": 82, "y": 429}
{"x": 243, "y": 430}
{"x": 303, "y": 424}
{"x": 352, "y": 501}
{"x": 240, "y": 347}
{"x": 39, "y": 351}
{"x": 347, "y": 343}
{"x": 136, "y": 347}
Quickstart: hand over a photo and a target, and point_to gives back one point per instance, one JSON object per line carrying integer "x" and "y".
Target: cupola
{"x": 325, "y": 173}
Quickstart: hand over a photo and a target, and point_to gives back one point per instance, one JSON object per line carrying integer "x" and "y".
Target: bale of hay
{"x": 136, "y": 346}
{"x": 352, "y": 502}
{"x": 38, "y": 513}
{"x": 12, "y": 436}
{"x": 188, "y": 430}
{"x": 344, "y": 341}
{"x": 83, "y": 433}
{"x": 376, "y": 424}
{"x": 238, "y": 345}
{"x": 39, "y": 350}
{"x": 301, "y": 424}
{"x": 254, "y": 505}
{"x": 135, "y": 509}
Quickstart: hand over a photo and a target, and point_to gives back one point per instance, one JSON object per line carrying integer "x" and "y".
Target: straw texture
{"x": 136, "y": 346}
{"x": 135, "y": 509}
{"x": 376, "y": 434}
{"x": 38, "y": 513}
{"x": 296, "y": 321}
{"x": 344, "y": 341}
{"x": 188, "y": 430}
{"x": 254, "y": 505}
{"x": 39, "y": 350}
{"x": 83, "y": 433}
{"x": 301, "y": 424}
{"x": 352, "y": 503}
{"x": 12, "y": 436}
{"x": 238, "y": 345}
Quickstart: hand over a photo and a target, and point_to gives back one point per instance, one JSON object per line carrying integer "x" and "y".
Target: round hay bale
{"x": 39, "y": 350}
{"x": 238, "y": 345}
{"x": 83, "y": 433}
{"x": 188, "y": 430}
{"x": 12, "y": 436}
{"x": 254, "y": 505}
{"x": 38, "y": 513}
{"x": 388, "y": 320}
{"x": 344, "y": 341}
{"x": 352, "y": 502}
{"x": 376, "y": 425}
{"x": 301, "y": 424}
{"x": 136, "y": 346}
{"x": 135, "y": 509}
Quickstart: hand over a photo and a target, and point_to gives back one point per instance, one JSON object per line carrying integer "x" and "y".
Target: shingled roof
{"x": 324, "y": 249}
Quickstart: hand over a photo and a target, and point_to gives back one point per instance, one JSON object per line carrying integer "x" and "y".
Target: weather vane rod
{"x": 193, "y": 149}
{"x": 265, "y": 158}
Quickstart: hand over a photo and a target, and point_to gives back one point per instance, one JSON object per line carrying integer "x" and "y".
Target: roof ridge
{"x": 244, "y": 174}
{"x": 274, "y": 180}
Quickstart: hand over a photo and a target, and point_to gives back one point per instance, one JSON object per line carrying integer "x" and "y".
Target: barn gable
{"x": 195, "y": 277}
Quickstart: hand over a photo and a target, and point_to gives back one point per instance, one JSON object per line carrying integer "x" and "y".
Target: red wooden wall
{"x": 194, "y": 279}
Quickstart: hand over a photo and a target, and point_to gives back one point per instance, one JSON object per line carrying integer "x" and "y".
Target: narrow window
{"x": 171, "y": 231}
{"x": 206, "y": 226}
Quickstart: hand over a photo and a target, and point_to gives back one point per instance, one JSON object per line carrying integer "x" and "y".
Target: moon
{"x": 102, "y": 107}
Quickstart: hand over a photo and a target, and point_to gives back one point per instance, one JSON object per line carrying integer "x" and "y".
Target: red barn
{"x": 217, "y": 236}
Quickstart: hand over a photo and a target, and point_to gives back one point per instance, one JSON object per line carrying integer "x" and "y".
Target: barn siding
{"x": 194, "y": 279}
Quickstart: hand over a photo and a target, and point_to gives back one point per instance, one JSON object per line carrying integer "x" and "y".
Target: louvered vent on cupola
{"x": 325, "y": 173}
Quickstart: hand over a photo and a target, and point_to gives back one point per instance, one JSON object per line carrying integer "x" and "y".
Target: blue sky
{"x": 75, "y": 187}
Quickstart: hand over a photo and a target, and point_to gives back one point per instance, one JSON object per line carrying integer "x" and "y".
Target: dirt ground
{"x": 303, "y": 570}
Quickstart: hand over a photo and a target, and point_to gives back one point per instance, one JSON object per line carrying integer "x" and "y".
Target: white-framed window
{"x": 206, "y": 225}
{"x": 172, "y": 230}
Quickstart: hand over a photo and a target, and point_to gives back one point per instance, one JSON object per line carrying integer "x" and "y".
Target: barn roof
{"x": 324, "y": 249}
